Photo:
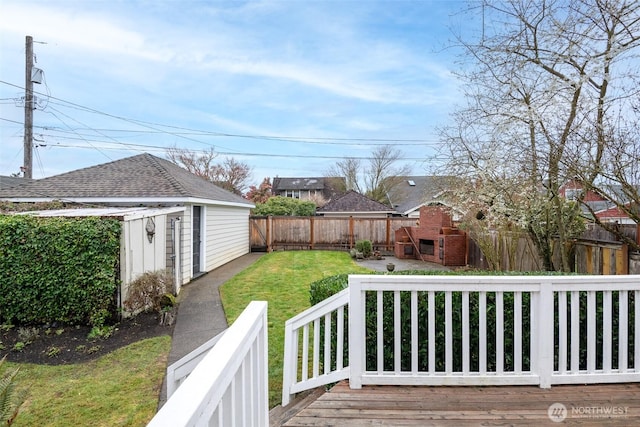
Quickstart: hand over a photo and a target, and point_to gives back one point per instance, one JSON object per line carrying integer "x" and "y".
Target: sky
{"x": 287, "y": 87}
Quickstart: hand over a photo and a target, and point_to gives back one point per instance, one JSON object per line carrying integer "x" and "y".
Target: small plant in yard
{"x": 10, "y": 398}
{"x": 28, "y": 334}
{"x": 19, "y": 346}
{"x": 53, "y": 351}
{"x": 103, "y": 332}
{"x": 93, "y": 349}
{"x": 6, "y": 327}
{"x": 149, "y": 291}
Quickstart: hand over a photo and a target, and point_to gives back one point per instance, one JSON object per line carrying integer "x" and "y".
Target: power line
{"x": 185, "y": 132}
{"x": 238, "y": 153}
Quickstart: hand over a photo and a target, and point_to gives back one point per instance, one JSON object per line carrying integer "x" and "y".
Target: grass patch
{"x": 119, "y": 389}
{"x": 282, "y": 279}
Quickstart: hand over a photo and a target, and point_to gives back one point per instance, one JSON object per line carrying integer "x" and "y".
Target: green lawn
{"x": 282, "y": 279}
{"x": 122, "y": 388}
{"x": 119, "y": 389}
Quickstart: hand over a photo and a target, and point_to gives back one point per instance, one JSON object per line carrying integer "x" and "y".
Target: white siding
{"x": 137, "y": 254}
{"x": 226, "y": 233}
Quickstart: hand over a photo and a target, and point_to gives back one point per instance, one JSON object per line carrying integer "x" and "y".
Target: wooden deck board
{"x": 610, "y": 404}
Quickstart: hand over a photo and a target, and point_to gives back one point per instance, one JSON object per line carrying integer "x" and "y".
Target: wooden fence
{"x": 294, "y": 232}
{"x": 596, "y": 252}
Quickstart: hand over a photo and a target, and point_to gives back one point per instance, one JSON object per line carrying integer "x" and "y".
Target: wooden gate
{"x": 259, "y": 233}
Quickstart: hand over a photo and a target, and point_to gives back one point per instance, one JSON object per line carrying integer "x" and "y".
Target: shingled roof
{"x": 144, "y": 177}
{"x": 352, "y": 202}
{"x": 411, "y": 192}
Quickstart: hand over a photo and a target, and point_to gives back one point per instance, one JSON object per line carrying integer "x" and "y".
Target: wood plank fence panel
{"x": 290, "y": 232}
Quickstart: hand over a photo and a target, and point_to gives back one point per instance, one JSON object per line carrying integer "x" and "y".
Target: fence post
{"x": 356, "y": 326}
{"x": 545, "y": 333}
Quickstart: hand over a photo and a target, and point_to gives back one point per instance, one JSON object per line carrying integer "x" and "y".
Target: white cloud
{"x": 76, "y": 30}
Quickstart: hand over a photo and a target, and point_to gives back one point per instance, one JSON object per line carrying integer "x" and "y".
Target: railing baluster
{"x": 316, "y": 347}
{"x": 575, "y": 332}
{"x": 499, "y": 332}
{"x": 448, "y": 334}
{"x": 414, "y": 332}
{"x": 623, "y": 330}
{"x": 591, "y": 332}
{"x": 607, "y": 335}
{"x": 432, "y": 332}
{"x": 327, "y": 343}
{"x": 482, "y": 331}
{"x": 465, "y": 332}
{"x": 636, "y": 330}
{"x": 517, "y": 332}
{"x": 397, "y": 331}
{"x": 340, "y": 346}
{"x": 562, "y": 332}
{"x": 305, "y": 352}
{"x": 379, "y": 334}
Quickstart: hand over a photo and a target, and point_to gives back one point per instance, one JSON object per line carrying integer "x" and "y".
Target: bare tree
{"x": 377, "y": 177}
{"x": 541, "y": 82}
{"x": 349, "y": 168}
{"x": 231, "y": 174}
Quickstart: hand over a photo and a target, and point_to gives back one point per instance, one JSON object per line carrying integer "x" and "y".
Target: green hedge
{"x": 58, "y": 269}
{"x": 328, "y": 286}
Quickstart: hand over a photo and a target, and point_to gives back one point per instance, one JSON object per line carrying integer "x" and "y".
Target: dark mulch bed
{"x": 59, "y": 344}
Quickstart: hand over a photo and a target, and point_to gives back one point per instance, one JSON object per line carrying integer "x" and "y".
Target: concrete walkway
{"x": 200, "y": 313}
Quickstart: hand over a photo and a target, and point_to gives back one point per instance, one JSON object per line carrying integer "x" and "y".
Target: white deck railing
{"x": 178, "y": 371}
{"x": 327, "y": 315}
{"x": 540, "y": 330}
{"x": 229, "y": 387}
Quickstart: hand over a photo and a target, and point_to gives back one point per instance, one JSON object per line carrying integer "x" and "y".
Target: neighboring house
{"x": 308, "y": 188}
{"x": 604, "y": 209}
{"x": 413, "y": 192}
{"x": 213, "y": 223}
{"x": 355, "y": 204}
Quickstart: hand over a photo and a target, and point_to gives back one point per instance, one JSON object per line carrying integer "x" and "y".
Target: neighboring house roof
{"x": 412, "y": 192}
{"x": 12, "y": 181}
{"x": 601, "y": 207}
{"x": 352, "y": 202}
{"x": 139, "y": 179}
{"x": 327, "y": 185}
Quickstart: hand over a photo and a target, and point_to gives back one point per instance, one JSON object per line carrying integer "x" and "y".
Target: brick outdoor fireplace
{"x": 434, "y": 239}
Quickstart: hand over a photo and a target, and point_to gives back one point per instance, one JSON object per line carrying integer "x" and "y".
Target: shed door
{"x": 197, "y": 232}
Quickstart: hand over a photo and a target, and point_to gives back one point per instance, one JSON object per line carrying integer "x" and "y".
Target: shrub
{"x": 365, "y": 247}
{"x": 149, "y": 291}
{"x": 280, "y": 205}
{"x": 326, "y": 287}
{"x": 57, "y": 269}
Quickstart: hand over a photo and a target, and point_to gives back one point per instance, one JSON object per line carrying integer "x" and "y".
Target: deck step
{"x": 280, "y": 415}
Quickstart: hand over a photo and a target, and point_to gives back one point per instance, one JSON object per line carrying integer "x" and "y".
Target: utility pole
{"x": 28, "y": 110}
